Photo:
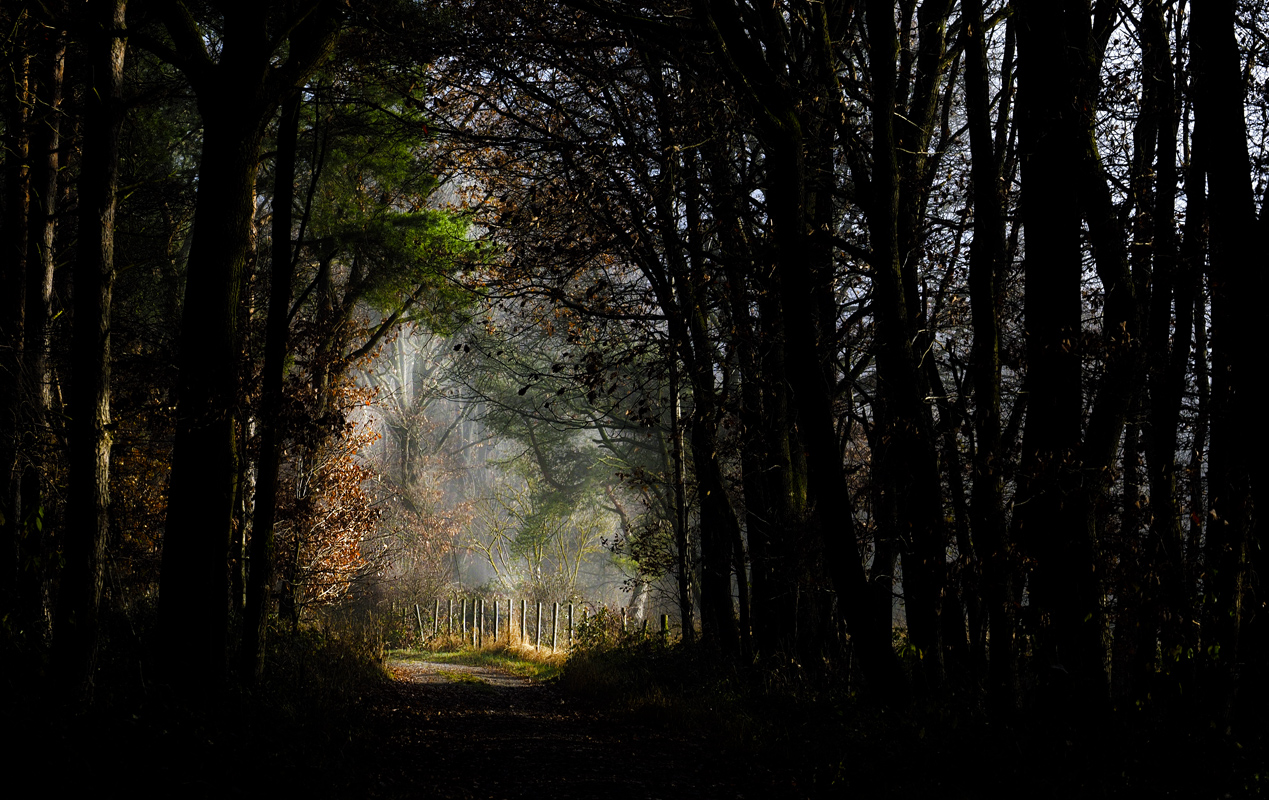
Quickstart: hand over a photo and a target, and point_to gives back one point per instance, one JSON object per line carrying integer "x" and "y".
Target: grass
{"x": 519, "y": 660}
{"x": 454, "y": 676}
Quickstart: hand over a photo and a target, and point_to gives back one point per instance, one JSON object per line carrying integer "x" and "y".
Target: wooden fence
{"x": 485, "y": 621}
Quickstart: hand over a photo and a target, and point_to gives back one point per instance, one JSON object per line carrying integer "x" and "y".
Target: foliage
{"x": 606, "y": 629}
{"x": 374, "y": 204}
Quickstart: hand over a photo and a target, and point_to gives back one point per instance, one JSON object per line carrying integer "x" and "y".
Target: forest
{"x": 890, "y": 361}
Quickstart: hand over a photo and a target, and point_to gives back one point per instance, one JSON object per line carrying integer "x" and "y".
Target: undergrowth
{"x": 802, "y": 733}
{"x": 302, "y": 728}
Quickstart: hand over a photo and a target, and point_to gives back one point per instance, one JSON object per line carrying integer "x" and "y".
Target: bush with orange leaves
{"x": 326, "y": 518}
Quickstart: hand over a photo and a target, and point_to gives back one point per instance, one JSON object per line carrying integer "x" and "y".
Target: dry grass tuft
{"x": 517, "y": 658}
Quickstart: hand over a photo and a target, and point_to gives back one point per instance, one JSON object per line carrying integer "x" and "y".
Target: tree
{"x": 1232, "y": 553}
{"x": 238, "y": 87}
{"x": 88, "y": 525}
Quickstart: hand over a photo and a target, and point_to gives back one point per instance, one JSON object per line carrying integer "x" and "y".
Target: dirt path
{"x": 451, "y": 731}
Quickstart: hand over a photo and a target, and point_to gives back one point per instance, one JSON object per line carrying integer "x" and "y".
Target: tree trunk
{"x": 14, "y": 208}
{"x": 194, "y": 584}
{"x": 38, "y": 442}
{"x": 1050, "y": 511}
{"x": 237, "y": 94}
{"x": 1237, "y": 426}
{"x": 776, "y": 103}
{"x": 831, "y": 517}
{"x": 681, "y": 546}
{"x": 278, "y": 327}
{"x": 905, "y": 459}
{"x": 1168, "y": 357}
{"x": 988, "y": 253}
{"x": 88, "y": 499}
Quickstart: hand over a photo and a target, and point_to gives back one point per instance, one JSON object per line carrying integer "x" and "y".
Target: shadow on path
{"x": 451, "y": 731}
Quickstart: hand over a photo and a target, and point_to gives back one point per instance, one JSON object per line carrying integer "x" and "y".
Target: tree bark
{"x": 194, "y": 583}
{"x": 682, "y": 549}
{"x": 278, "y": 327}
{"x": 1049, "y": 515}
{"x": 988, "y": 253}
{"x": 14, "y": 209}
{"x": 1237, "y": 426}
{"x": 802, "y": 291}
{"x": 905, "y": 457}
{"x": 237, "y": 94}
{"x": 1170, "y": 307}
{"x": 88, "y": 500}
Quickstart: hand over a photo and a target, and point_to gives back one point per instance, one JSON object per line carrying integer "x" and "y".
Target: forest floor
{"x": 617, "y": 724}
{"x": 456, "y": 731}
{"x": 445, "y": 730}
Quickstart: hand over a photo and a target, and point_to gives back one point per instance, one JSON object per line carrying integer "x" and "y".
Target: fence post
{"x": 539, "y": 642}
{"x": 419, "y": 614}
{"x": 451, "y": 616}
{"x": 436, "y": 618}
{"x": 497, "y": 618}
{"x": 623, "y": 619}
{"x": 524, "y": 620}
{"x": 570, "y": 626}
{"x": 464, "y": 618}
{"x": 555, "y": 625}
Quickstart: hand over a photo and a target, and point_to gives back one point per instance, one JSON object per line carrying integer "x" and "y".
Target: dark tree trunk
{"x": 1066, "y": 476}
{"x": 1049, "y": 515}
{"x": 282, "y": 273}
{"x": 88, "y": 499}
{"x": 718, "y": 527}
{"x": 1235, "y": 262}
{"x": 237, "y": 94}
{"x": 1189, "y": 290}
{"x": 45, "y": 127}
{"x": 677, "y": 276}
{"x": 831, "y": 517}
{"x": 14, "y": 208}
{"x": 722, "y": 547}
{"x": 1171, "y": 307}
{"x": 194, "y": 584}
{"x": 904, "y": 458}
{"x": 682, "y": 550}
{"x": 802, "y": 292}
{"x": 36, "y": 442}
{"x": 988, "y": 253}
{"x": 774, "y": 487}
